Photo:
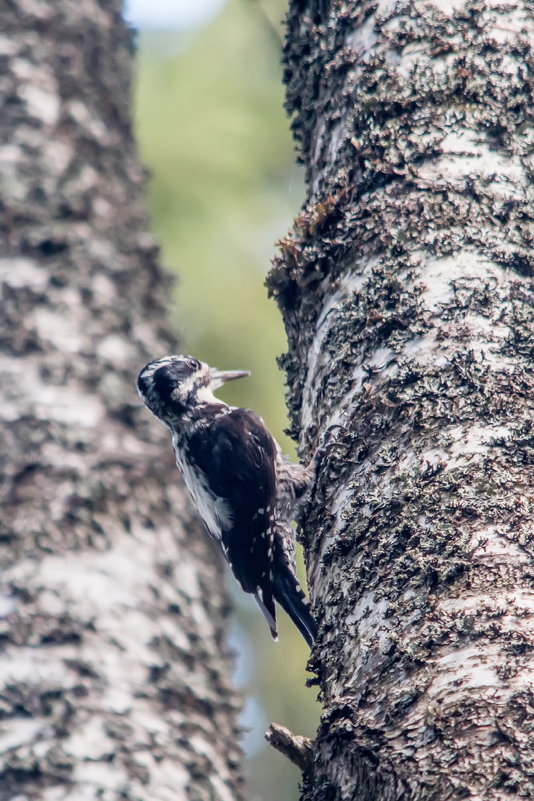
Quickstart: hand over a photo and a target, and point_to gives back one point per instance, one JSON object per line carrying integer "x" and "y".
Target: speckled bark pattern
{"x": 406, "y": 288}
{"x": 114, "y": 682}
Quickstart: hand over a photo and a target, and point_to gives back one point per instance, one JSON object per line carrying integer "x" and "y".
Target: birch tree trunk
{"x": 405, "y": 288}
{"x": 115, "y": 683}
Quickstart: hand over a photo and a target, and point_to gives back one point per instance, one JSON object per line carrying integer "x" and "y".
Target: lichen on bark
{"x": 406, "y": 290}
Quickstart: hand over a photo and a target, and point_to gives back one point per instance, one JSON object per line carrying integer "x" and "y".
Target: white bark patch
{"x": 64, "y": 404}
{"x": 18, "y": 731}
{"x": 41, "y": 103}
{"x": 336, "y": 139}
{"x": 512, "y": 19}
{"x": 490, "y": 544}
{"x": 473, "y": 667}
{"x": 70, "y": 406}
{"x": 476, "y": 439}
{"x": 59, "y": 154}
{"x": 39, "y": 89}
{"x": 94, "y": 126}
{"x": 90, "y": 741}
{"x": 19, "y": 273}
{"x": 8, "y": 47}
{"x": 116, "y": 349}
{"x": 364, "y": 38}
{"x": 438, "y": 275}
{"x": 459, "y": 445}
{"x": 62, "y": 331}
{"x": 7, "y": 605}
{"x": 91, "y": 779}
{"x": 517, "y": 606}
{"x": 463, "y": 154}
{"x": 448, "y": 7}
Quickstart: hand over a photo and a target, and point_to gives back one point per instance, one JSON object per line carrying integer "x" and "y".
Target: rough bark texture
{"x": 111, "y": 603}
{"x": 405, "y": 286}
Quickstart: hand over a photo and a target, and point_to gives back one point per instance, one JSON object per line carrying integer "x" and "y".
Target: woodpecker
{"x": 245, "y": 490}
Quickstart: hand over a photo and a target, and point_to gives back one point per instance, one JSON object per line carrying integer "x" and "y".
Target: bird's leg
{"x": 327, "y": 446}
{"x": 296, "y": 483}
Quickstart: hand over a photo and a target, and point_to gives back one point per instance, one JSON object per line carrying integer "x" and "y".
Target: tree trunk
{"x": 404, "y": 287}
{"x": 115, "y": 682}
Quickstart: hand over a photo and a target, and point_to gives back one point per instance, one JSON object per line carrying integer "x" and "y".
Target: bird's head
{"x": 174, "y": 385}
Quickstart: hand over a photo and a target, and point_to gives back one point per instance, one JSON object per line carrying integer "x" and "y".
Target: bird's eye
{"x": 194, "y": 364}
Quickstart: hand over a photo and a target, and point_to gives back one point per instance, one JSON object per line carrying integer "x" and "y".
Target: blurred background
{"x": 223, "y": 189}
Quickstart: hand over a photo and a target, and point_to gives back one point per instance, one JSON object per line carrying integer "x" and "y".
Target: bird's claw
{"x": 327, "y": 446}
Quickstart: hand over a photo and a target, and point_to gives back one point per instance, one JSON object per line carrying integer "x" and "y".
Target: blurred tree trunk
{"x": 405, "y": 291}
{"x": 112, "y": 606}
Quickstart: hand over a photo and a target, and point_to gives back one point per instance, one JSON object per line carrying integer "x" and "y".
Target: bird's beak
{"x": 220, "y": 377}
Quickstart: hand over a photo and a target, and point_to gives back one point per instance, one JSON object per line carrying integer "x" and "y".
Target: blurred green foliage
{"x": 213, "y": 134}
{"x": 224, "y": 188}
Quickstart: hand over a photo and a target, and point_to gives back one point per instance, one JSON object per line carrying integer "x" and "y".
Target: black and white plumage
{"x": 245, "y": 490}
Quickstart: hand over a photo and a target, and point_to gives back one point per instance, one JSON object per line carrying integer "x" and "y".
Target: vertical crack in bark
{"x": 406, "y": 291}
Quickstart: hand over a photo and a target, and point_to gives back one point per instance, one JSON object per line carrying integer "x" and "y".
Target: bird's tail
{"x": 290, "y": 596}
{"x": 265, "y": 602}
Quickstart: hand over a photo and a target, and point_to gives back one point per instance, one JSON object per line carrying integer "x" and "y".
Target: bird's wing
{"x": 237, "y": 454}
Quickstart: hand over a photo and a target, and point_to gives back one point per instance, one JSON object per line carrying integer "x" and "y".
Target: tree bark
{"x": 406, "y": 290}
{"x": 115, "y": 681}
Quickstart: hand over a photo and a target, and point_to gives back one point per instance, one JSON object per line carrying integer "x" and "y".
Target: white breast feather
{"x": 215, "y": 512}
